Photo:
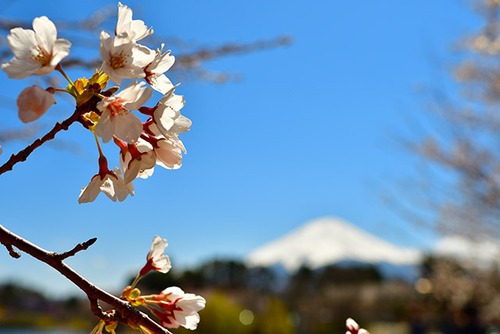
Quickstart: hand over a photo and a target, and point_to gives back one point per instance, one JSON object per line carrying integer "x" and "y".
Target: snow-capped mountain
{"x": 327, "y": 241}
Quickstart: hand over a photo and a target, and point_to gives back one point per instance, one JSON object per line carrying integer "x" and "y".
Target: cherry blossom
{"x": 36, "y": 51}
{"x": 122, "y": 56}
{"x": 110, "y": 183}
{"x": 353, "y": 327}
{"x": 116, "y": 118}
{"x": 167, "y": 115}
{"x": 137, "y": 160}
{"x": 156, "y": 259}
{"x": 168, "y": 150}
{"x": 154, "y": 71}
{"x": 33, "y": 102}
{"x": 123, "y": 60}
{"x": 178, "y": 308}
{"x": 143, "y": 145}
{"x": 128, "y": 30}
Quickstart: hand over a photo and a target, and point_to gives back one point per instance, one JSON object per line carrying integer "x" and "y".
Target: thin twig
{"x": 12, "y": 252}
{"x": 96, "y": 309}
{"x": 24, "y": 153}
{"x": 76, "y": 249}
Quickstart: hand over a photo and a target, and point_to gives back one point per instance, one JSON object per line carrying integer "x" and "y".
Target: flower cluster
{"x": 172, "y": 306}
{"x": 143, "y": 142}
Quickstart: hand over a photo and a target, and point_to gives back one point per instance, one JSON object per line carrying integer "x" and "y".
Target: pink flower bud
{"x": 33, "y": 102}
{"x": 156, "y": 258}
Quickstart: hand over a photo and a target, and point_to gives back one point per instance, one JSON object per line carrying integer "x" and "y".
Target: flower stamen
{"x": 118, "y": 60}
{"x": 43, "y": 56}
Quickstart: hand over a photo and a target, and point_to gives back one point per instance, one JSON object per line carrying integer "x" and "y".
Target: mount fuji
{"x": 328, "y": 241}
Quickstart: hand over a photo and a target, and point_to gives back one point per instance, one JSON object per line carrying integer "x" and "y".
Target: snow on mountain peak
{"x": 326, "y": 241}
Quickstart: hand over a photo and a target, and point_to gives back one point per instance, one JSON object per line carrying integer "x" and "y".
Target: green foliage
{"x": 274, "y": 319}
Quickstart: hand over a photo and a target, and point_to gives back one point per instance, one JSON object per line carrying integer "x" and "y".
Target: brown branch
{"x": 76, "y": 249}
{"x": 125, "y": 312}
{"x": 12, "y": 252}
{"x": 96, "y": 308}
{"x": 24, "y": 153}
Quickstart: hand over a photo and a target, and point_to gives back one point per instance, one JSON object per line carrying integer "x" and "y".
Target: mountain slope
{"x": 327, "y": 241}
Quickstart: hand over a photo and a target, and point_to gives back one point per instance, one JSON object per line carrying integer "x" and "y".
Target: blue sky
{"x": 308, "y": 131}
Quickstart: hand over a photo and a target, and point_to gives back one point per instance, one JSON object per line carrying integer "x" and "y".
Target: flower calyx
{"x": 133, "y": 296}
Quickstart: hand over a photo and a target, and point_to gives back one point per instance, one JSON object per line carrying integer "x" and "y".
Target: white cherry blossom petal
{"x": 182, "y": 124}
{"x": 135, "y": 95}
{"x": 167, "y": 116}
{"x": 89, "y": 193}
{"x": 123, "y": 124}
{"x": 111, "y": 184}
{"x": 169, "y": 154}
{"x": 21, "y": 42}
{"x": 162, "y": 62}
{"x": 160, "y": 82}
{"x": 106, "y": 127}
{"x": 45, "y": 32}
{"x": 61, "y": 50}
{"x": 128, "y": 30}
{"x": 20, "y": 68}
{"x": 128, "y": 127}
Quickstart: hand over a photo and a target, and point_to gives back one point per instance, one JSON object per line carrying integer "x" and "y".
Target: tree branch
{"x": 76, "y": 249}
{"x": 125, "y": 312}
{"x": 24, "y": 153}
{"x": 12, "y": 252}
